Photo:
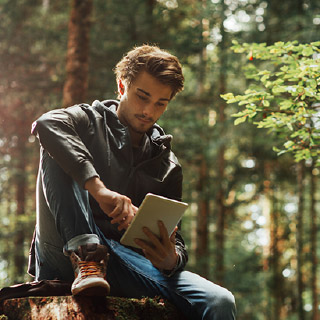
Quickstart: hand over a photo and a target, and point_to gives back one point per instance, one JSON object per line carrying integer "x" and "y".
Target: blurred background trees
{"x": 246, "y": 202}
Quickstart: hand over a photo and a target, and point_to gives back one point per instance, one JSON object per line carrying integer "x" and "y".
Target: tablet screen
{"x": 153, "y": 209}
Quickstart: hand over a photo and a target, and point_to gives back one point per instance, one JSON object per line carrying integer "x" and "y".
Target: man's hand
{"x": 161, "y": 252}
{"x": 113, "y": 204}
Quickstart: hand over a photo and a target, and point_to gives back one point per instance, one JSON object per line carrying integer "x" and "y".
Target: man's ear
{"x": 121, "y": 87}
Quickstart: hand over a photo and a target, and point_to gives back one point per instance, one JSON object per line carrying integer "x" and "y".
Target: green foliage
{"x": 284, "y": 94}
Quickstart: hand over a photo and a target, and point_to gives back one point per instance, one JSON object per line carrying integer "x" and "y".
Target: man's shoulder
{"x": 98, "y": 109}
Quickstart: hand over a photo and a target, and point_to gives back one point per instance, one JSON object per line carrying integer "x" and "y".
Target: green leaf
{"x": 253, "y": 114}
{"x": 278, "y": 89}
{"x": 286, "y": 104}
{"x": 266, "y": 103}
{"x": 289, "y": 144}
{"x": 239, "y": 114}
{"x": 240, "y": 120}
{"x": 281, "y": 152}
{"x": 284, "y": 68}
{"x": 307, "y": 51}
{"x": 227, "y": 96}
{"x": 312, "y": 83}
{"x": 289, "y": 125}
{"x": 241, "y": 103}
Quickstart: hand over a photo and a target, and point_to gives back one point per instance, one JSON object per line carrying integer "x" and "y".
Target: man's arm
{"x": 116, "y": 206}
{"x": 59, "y": 132}
{"x": 62, "y": 132}
{"x": 168, "y": 253}
{"x": 173, "y": 190}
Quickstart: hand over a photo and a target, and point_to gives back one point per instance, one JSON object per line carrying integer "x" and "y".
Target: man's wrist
{"x": 172, "y": 271}
{"x": 94, "y": 185}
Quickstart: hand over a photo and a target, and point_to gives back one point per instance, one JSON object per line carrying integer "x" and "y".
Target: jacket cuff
{"x": 84, "y": 173}
{"x": 170, "y": 273}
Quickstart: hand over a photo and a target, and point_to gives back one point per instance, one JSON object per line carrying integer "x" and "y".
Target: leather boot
{"x": 89, "y": 263}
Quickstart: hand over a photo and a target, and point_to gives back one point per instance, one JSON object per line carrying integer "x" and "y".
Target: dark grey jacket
{"x": 88, "y": 141}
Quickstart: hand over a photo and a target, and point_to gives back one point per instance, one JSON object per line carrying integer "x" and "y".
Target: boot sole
{"x": 92, "y": 287}
{"x": 92, "y": 291}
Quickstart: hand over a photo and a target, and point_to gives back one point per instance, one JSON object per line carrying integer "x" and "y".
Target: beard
{"x": 142, "y": 127}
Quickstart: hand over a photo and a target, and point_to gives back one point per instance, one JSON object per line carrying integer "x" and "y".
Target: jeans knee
{"x": 223, "y": 305}
{"x": 227, "y": 300}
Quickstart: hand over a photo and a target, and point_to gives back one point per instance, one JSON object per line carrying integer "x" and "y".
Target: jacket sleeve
{"x": 174, "y": 191}
{"x": 61, "y": 134}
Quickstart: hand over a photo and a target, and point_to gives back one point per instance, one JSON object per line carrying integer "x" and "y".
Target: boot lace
{"x": 90, "y": 268}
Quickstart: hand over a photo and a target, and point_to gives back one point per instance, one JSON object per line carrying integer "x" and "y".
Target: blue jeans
{"x": 65, "y": 221}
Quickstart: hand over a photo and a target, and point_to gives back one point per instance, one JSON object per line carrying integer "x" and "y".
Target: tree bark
{"x": 202, "y": 225}
{"x": 221, "y": 216}
{"x": 150, "y": 4}
{"x": 220, "y": 198}
{"x": 313, "y": 240}
{"x": 76, "y": 84}
{"x": 300, "y": 284}
{"x": 20, "y": 160}
{"x": 202, "y": 252}
{"x": 276, "y": 252}
{"x": 88, "y": 308}
{"x": 21, "y": 190}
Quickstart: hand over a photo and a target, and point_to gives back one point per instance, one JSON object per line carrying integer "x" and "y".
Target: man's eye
{"x": 142, "y": 98}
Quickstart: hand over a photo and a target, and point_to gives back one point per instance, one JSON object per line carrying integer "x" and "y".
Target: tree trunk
{"x": 88, "y": 308}
{"x": 221, "y": 215}
{"x": 275, "y": 254}
{"x": 202, "y": 252}
{"x": 20, "y": 182}
{"x": 150, "y": 4}
{"x": 202, "y": 225}
{"x": 76, "y": 84}
{"x": 300, "y": 284}
{"x": 313, "y": 240}
{"x": 220, "y": 198}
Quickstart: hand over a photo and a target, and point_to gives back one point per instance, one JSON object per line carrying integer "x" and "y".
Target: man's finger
{"x": 150, "y": 251}
{"x": 164, "y": 234}
{"x": 124, "y": 223}
{"x": 153, "y": 238}
{"x": 116, "y": 211}
{"x": 173, "y": 236}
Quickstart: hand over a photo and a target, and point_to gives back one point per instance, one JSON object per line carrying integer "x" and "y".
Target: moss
{"x": 141, "y": 309}
{"x": 107, "y": 308}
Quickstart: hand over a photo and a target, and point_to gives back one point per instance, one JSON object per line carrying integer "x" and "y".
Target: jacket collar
{"x": 156, "y": 133}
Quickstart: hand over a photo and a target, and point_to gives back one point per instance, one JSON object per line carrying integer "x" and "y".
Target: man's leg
{"x": 64, "y": 221}
{"x": 131, "y": 275}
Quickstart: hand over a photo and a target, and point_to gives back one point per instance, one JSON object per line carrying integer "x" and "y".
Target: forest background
{"x": 253, "y": 222}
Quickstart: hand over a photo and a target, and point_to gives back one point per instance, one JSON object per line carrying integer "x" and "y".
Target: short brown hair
{"x": 159, "y": 63}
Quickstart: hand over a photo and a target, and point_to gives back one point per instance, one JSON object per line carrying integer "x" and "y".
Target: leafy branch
{"x": 284, "y": 96}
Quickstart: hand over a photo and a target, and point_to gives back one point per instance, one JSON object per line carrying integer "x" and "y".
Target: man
{"x": 97, "y": 164}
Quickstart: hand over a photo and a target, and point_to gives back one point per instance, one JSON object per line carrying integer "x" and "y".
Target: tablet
{"x": 153, "y": 209}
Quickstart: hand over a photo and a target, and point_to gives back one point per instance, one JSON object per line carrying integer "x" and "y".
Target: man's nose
{"x": 148, "y": 109}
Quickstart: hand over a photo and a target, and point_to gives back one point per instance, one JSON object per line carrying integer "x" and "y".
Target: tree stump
{"x": 88, "y": 308}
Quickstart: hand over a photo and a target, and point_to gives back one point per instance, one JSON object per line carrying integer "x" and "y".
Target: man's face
{"x": 142, "y": 103}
